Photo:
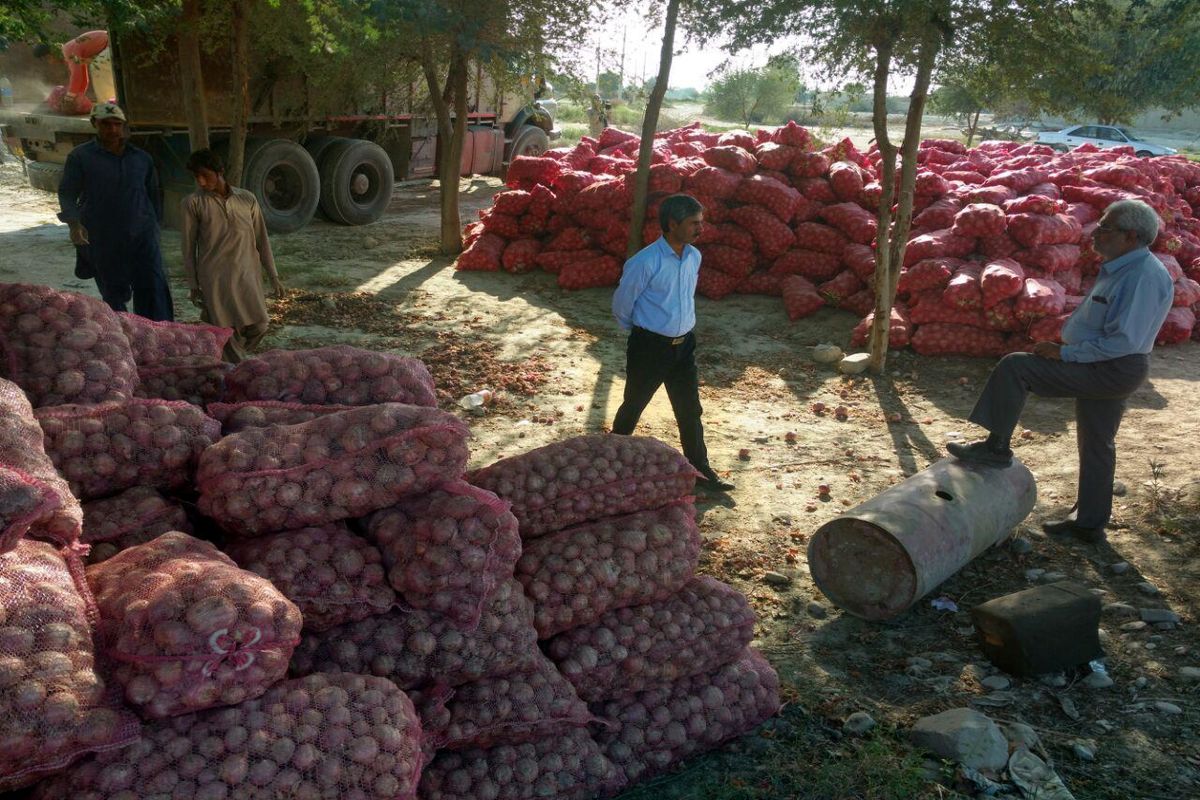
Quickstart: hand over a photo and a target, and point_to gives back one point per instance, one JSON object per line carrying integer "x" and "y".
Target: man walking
{"x": 110, "y": 200}
{"x": 1105, "y": 359}
{"x": 656, "y": 303}
{"x": 225, "y": 252}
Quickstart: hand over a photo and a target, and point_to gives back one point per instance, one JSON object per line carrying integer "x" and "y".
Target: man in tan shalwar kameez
{"x": 225, "y": 251}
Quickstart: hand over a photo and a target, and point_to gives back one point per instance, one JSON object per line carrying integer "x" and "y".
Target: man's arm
{"x": 70, "y": 192}
{"x": 154, "y": 190}
{"x": 188, "y": 231}
{"x": 265, "y": 256}
{"x": 633, "y": 283}
{"x": 1134, "y": 309}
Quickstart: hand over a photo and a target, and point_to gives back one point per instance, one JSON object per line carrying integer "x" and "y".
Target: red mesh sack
{"x": 737, "y": 138}
{"x": 927, "y": 307}
{"x": 930, "y": 184}
{"x": 505, "y": 226}
{"x": 1099, "y": 196}
{"x": 731, "y": 157}
{"x": 562, "y": 766}
{"x": 1033, "y": 230}
{"x": 130, "y": 518}
{"x": 812, "y": 265}
{"x": 726, "y": 234}
{"x": 555, "y": 262}
{"x": 1036, "y": 204}
{"x": 714, "y": 182}
{"x": 106, "y": 448}
{"x": 800, "y": 297}
{"x": 154, "y": 342}
{"x": 938, "y": 215}
{"x": 448, "y": 550}
{"x": 1048, "y": 329}
{"x": 937, "y": 244}
{"x": 514, "y": 203}
{"x": 792, "y": 135}
{"x": 1187, "y": 292}
{"x": 810, "y": 165}
{"x": 816, "y": 190}
{"x": 929, "y": 273}
{"x": 1019, "y": 180}
{"x": 964, "y": 290}
{"x": 590, "y": 273}
{"x": 322, "y": 736}
{"x": 1040, "y": 297}
{"x": 419, "y": 648}
{"x": 715, "y": 284}
{"x": 62, "y": 347}
{"x": 1002, "y": 278}
{"x": 778, "y": 198}
{"x": 846, "y": 179}
{"x": 574, "y": 575}
{"x": 198, "y": 380}
{"x": 729, "y": 260}
{"x": 569, "y": 239}
{"x": 330, "y": 574}
{"x": 945, "y": 145}
{"x": 822, "y": 238}
{"x": 964, "y": 176}
{"x": 665, "y": 178}
{"x": 774, "y": 156}
{"x": 1171, "y": 263}
{"x": 979, "y": 219}
{"x": 840, "y": 286}
{"x": 236, "y": 417}
{"x": 1177, "y": 327}
{"x": 995, "y": 195}
{"x": 1003, "y": 317}
{"x": 899, "y": 330}
{"x": 338, "y": 375}
{"x": 1071, "y": 280}
{"x": 571, "y": 182}
{"x": 483, "y": 255}
{"x": 610, "y": 165}
{"x": 706, "y": 624}
{"x": 860, "y": 303}
{"x": 585, "y": 478}
{"x": 768, "y": 283}
{"x": 1002, "y": 246}
{"x": 335, "y": 467}
{"x": 1049, "y": 257}
{"x": 945, "y": 339}
{"x": 772, "y": 237}
{"x": 54, "y": 707}
{"x": 612, "y": 137}
{"x": 34, "y": 498}
{"x": 1119, "y": 175}
{"x": 186, "y": 629}
{"x": 526, "y": 171}
{"x": 858, "y": 224}
{"x": 527, "y": 704}
{"x": 520, "y": 255}
{"x": 860, "y": 259}
{"x": 650, "y": 732}
{"x": 471, "y": 234}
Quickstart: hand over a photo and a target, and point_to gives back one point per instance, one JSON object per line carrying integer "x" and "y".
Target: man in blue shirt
{"x": 110, "y": 200}
{"x": 656, "y": 303}
{"x": 1105, "y": 358}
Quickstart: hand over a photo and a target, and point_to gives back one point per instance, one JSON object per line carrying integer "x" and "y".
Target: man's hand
{"x": 196, "y": 298}
{"x": 277, "y": 290}
{"x": 79, "y": 234}
{"x": 1049, "y": 350}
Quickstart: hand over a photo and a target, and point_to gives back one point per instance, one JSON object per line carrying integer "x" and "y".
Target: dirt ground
{"x": 557, "y": 360}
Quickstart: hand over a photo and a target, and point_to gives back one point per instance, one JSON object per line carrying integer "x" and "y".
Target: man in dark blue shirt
{"x": 111, "y": 201}
{"x": 1104, "y": 359}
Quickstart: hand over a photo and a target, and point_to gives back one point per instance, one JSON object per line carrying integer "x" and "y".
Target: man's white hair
{"x": 1136, "y": 216}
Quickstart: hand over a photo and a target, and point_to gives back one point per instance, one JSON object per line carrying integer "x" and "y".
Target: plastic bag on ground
{"x": 332, "y": 575}
{"x": 186, "y": 629}
{"x": 153, "y": 342}
{"x": 575, "y": 575}
{"x": 649, "y": 732}
{"x": 337, "y": 375}
{"x": 103, "y": 449}
{"x": 130, "y": 518}
{"x": 322, "y": 736}
{"x": 706, "y": 624}
{"x": 448, "y": 550}
{"x": 339, "y": 466}
{"x": 54, "y": 707}
{"x": 420, "y": 649}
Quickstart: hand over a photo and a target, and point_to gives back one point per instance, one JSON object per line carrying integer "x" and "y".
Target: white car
{"x": 1102, "y": 136}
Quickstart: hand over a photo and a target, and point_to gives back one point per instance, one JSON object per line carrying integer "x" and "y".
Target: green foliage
{"x": 608, "y": 85}
{"x": 755, "y": 95}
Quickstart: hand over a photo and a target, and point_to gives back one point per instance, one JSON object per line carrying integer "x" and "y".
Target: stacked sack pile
{"x": 999, "y": 254}
{"x": 366, "y": 619}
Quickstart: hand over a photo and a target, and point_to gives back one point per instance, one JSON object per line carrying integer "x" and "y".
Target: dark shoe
{"x": 709, "y": 481}
{"x": 1069, "y": 527}
{"x": 980, "y": 453}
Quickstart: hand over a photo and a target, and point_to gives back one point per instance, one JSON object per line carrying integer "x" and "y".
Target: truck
{"x": 304, "y": 154}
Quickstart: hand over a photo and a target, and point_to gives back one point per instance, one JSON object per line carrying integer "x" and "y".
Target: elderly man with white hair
{"x": 1104, "y": 359}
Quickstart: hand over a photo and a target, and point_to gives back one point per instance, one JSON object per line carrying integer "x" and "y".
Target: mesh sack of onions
{"x": 196, "y": 380}
{"x": 155, "y": 342}
{"x": 133, "y": 517}
{"x": 236, "y": 417}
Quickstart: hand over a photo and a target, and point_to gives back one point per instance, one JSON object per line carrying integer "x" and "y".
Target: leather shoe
{"x": 980, "y": 453}
{"x": 1069, "y": 527}
{"x": 711, "y": 482}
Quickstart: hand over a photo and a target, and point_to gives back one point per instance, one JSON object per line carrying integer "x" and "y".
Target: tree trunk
{"x": 241, "y": 92}
{"x": 897, "y": 234}
{"x": 878, "y": 340}
{"x": 649, "y": 124}
{"x": 973, "y": 127}
{"x": 448, "y": 169}
{"x": 191, "y": 75}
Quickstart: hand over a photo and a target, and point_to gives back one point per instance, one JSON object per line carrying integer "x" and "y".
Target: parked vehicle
{"x": 343, "y": 160}
{"x": 1103, "y": 136}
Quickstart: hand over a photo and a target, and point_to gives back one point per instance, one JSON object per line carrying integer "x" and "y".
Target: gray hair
{"x": 1135, "y": 216}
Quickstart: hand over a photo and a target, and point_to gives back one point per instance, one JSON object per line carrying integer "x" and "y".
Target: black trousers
{"x": 1100, "y": 389}
{"x": 650, "y": 362}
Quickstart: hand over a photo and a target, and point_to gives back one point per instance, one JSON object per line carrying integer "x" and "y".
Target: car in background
{"x": 1103, "y": 136}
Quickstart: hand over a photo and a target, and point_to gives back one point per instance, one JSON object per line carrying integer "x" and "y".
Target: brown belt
{"x": 678, "y": 340}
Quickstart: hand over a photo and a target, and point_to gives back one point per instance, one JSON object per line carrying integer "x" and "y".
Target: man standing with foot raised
{"x": 1105, "y": 359}
{"x": 656, "y": 303}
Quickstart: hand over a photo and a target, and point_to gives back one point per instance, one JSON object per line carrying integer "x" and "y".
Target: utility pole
{"x": 597, "y": 69}
{"x": 621, "y": 73}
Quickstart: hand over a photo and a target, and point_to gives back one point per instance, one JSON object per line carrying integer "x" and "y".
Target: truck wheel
{"x": 529, "y": 141}
{"x": 356, "y": 181}
{"x": 318, "y": 145}
{"x": 44, "y": 175}
{"x": 1144, "y": 154}
{"x": 283, "y": 176}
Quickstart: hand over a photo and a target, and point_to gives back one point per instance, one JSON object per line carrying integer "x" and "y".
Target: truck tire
{"x": 44, "y": 175}
{"x": 356, "y": 181}
{"x": 283, "y": 176}
{"x": 529, "y": 141}
{"x": 1144, "y": 154}
{"x": 317, "y": 145}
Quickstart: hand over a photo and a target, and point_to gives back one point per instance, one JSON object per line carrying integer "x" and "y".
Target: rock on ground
{"x": 965, "y": 735}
